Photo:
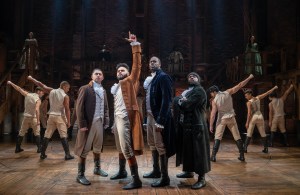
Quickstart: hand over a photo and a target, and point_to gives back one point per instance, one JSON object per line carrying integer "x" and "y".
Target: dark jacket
{"x": 85, "y": 109}
{"x": 160, "y": 103}
{"x": 192, "y": 132}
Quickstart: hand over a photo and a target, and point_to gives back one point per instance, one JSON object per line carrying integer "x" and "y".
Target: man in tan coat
{"x": 128, "y": 133}
{"x": 92, "y": 115}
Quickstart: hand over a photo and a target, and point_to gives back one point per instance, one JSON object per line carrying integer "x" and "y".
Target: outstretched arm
{"x": 240, "y": 85}
{"x": 212, "y": 116}
{"x": 19, "y": 89}
{"x": 287, "y": 92}
{"x": 40, "y": 84}
{"x": 262, "y": 96}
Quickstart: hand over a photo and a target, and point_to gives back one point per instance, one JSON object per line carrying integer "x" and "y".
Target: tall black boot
{"x": 38, "y": 143}
{"x": 98, "y": 170}
{"x": 185, "y": 174}
{"x": 70, "y": 133}
{"x": 215, "y": 150}
{"x": 200, "y": 183}
{"x": 240, "y": 146}
{"x": 271, "y": 139}
{"x": 265, "y": 143}
{"x": 165, "y": 179}
{"x": 247, "y": 141}
{"x": 136, "y": 182}
{"x": 80, "y": 177}
{"x": 122, "y": 170}
{"x": 155, "y": 173}
{"x": 18, "y": 144}
{"x": 284, "y": 139}
{"x": 65, "y": 144}
{"x": 44, "y": 148}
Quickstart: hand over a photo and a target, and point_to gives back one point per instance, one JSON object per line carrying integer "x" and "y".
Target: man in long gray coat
{"x": 93, "y": 117}
{"x": 192, "y": 132}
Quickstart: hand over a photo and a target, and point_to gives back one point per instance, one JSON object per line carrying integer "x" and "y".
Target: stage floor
{"x": 24, "y": 173}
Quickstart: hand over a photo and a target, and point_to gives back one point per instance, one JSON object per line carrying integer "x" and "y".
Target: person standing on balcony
{"x": 222, "y": 103}
{"x": 31, "y": 118}
{"x": 252, "y": 58}
{"x": 30, "y": 54}
{"x": 255, "y": 117}
{"x": 59, "y": 115}
{"x": 276, "y": 115}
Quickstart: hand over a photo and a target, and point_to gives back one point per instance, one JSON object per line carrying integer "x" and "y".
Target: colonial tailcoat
{"x": 160, "y": 103}
{"x": 85, "y": 110}
{"x": 130, "y": 87}
{"x": 192, "y": 132}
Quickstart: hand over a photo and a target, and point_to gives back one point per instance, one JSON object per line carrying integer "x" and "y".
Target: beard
{"x": 193, "y": 83}
{"x": 121, "y": 77}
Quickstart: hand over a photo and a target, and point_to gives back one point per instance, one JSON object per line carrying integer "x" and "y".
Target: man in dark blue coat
{"x": 160, "y": 125}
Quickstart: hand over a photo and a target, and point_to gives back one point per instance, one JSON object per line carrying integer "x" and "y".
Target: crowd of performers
{"x": 174, "y": 125}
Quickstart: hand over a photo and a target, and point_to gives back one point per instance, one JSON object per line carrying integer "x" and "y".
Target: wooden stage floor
{"x": 24, "y": 173}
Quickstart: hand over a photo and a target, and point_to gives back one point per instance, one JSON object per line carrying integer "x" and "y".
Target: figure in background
{"x": 276, "y": 115}
{"x": 160, "y": 123}
{"x": 128, "y": 122}
{"x": 93, "y": 118}
{"x": 30, "y": 54}
{"x": 222, "y": 103}
{"x": 252, "y": 58}
{"x": 175, "y": 61}
{"x": 192, "y": 132}
{"x": 31, "y": 118}
{"x": 255, "y": 117}
{"x": 59, "y": 115}
{"x": 43, "y": 114}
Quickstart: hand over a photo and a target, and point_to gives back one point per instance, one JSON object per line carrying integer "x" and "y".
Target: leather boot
{"x": 122, "y": 170}
{"x": 215, "y": 150}
{"x": 185, "y": 175}
{"x": 247, "y": 141}
{"x": 38, "y": 143}
{"x": 200, "y": 183}
{"x": 271, "y": 139}
{"x": 285, "y": 142}
{"x": 65, "y": 145}
{"x": 265, "y": 143}
{"x": 240, "y": 146}
{"x": 98, "y": 170}
{"x": 165, "y": 179}
{"x": 136, "y": 182}
{"x": 44, "y": 148}
{"x": 18, "y": 144}
{"x": 70, "y": 132}
{"x": 155, "y": 173}
{"x": 80, "y": 177}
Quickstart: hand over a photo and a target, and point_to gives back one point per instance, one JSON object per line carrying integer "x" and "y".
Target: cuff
{"x": 159, "y": 126}
{"x": 135, "y": 43}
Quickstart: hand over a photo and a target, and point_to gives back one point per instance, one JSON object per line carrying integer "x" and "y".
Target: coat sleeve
{"x": 80, "y": 108}
{"x": 197, "y": 97}
{"x": 166, "y": 94}
{"x": 136, "y": 65}
{"x": 106, "y": 110}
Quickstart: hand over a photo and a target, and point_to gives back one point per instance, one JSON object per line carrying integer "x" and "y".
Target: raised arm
{"x": 212, "y": 116}
{"x": 37, "y": 111}
{"x": 262, "y": 96}
{"x": 287, "y": 92}
{"x": 67, "y": 109}
{"x": 240, "y": 85}
{"x": 40, "y": 84}
{"x": 136, "y": 59}
{"x": 19, "y": 89}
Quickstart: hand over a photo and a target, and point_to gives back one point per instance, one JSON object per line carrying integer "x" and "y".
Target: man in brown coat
{"x": 128, "y": 133}
{"x": 92, "y": 115}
